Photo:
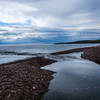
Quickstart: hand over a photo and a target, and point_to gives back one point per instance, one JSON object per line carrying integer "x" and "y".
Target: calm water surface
{"x": 76, "y": 79}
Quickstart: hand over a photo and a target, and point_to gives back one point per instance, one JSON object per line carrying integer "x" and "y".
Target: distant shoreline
{"x": 80, "y": 42}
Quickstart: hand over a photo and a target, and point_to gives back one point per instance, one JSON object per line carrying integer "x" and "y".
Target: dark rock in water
{"x": 92, "y": 54}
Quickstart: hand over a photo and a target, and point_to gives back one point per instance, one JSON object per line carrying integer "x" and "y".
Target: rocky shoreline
{"x": 92, "y": 54}
{"x": 24, "y": 80}
{"x": 71, "y": 51}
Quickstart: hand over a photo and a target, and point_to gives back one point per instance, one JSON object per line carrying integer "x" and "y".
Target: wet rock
{"x": 23, "y": 80}
{"x": 92, "y": 54}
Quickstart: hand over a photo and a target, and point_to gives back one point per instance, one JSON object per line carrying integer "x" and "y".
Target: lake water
{"x": 76, "y": 79}
{"x": 33, "y": 49}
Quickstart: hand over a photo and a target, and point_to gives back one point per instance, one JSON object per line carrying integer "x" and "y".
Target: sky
{"x": 33, "y": 21}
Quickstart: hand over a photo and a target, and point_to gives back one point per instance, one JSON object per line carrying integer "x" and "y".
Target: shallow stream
{"x": 75, "y": 79}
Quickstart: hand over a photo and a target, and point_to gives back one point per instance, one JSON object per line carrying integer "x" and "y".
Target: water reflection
{"x": 76, "y": 79}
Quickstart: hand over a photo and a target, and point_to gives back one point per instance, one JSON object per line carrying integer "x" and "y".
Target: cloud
{"x": 52, "y": 14}
{"x": 17, "y": 33}
{"x": 15, "y": 12}
{"x": 43, "y": 13}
